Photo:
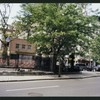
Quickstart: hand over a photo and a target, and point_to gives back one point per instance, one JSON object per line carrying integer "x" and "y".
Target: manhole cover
{"x": 35, "y": 94}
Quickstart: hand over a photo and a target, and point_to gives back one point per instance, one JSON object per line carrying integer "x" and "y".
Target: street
{"x": 71, "y": 87}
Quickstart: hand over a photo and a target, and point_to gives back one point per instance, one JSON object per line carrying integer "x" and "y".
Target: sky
{"x": 16, "y": 8}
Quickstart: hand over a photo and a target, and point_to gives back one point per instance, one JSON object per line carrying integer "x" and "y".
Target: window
{"x": 23, "y": 46}
{"x": 29, "y": 46}
{"x": 17, "y": 46}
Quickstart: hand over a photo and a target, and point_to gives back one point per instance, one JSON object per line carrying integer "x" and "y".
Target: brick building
{"x": 21, "y": 46}
{"x": 21, "y": 53}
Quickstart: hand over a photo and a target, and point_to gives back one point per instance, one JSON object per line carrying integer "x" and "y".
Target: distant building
{"x": 21, "y": 46}
{"x": 20, "y": 50}
{"x": 9, "y": 31}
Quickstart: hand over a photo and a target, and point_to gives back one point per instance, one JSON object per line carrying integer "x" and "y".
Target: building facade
{"x": 21, "y": 46}
{"x": 21, "y": 53}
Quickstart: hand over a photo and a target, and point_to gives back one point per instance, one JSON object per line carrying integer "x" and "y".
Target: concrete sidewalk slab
{"x": 14, "y": 71}
{"x": 84, "y": 74}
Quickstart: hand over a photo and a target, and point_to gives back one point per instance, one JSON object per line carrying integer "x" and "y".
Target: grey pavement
{"x": 5, "y": 77}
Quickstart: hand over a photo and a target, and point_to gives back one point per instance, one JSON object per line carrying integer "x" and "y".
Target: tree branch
{"x": 2, "y": 41}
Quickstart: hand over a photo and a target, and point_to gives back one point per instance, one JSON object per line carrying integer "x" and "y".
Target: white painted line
{"x": 33, "y": 88}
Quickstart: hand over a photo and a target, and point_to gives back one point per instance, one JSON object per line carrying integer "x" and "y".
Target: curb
{"x": 58, "y": 78}
{"x": 25, "y": 73}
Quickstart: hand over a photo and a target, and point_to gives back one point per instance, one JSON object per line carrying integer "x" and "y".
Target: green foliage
{"x": 56, "y": 28}
{"x": 95, "y": 47}
{"x": 5, "y": 10}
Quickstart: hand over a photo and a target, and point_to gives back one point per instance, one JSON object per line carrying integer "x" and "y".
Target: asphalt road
{"x": 72, "y": 87}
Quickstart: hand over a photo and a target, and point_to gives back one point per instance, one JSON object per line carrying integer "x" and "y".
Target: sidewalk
{"x": 14, "y": 78}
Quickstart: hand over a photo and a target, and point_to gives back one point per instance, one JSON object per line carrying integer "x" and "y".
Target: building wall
{"x": 13, "y": 49}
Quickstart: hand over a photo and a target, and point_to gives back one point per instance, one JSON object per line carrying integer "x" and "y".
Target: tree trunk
{"x": 54, "y": 59}
{"x": 8, "y": 60}
{"x": 72, "y": 64}
{"x": 72, "y": 58}
{"x": 5, "y": 55}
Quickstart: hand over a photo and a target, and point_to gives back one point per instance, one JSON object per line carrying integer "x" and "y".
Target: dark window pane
{"x": 23, "y": 46}
{"x": 17, "y": 45}
{"x": 29, "y": 46}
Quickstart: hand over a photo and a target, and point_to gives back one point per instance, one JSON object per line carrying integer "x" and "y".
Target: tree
{"x": 91, "y": 46}
{"x": 24, "y": 23}
{"x": 58, "y": 28}
{"x": 95, "y": 48}
{"x": 5, "y": 10}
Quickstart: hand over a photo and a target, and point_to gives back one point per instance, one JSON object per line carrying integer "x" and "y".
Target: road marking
{"x": 33, "y": 88}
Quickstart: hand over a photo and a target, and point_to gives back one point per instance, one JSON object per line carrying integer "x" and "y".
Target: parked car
{"x": 97, "y": 68}
{"x": 89, "y": 68}
{"x": 80, "y": 66}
